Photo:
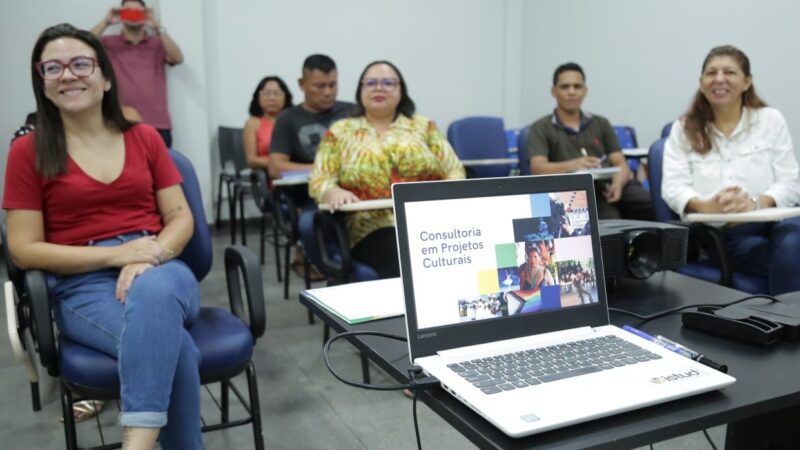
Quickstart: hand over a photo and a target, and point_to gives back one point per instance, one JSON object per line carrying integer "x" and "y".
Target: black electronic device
{"x": 638, "y": 249}
{"x": 762, "y": 324}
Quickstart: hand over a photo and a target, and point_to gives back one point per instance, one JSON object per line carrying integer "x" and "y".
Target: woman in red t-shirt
{"x": 270, "y": 98}
{"x": 96, "y": 201}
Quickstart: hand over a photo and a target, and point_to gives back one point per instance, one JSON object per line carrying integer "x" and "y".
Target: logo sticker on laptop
{"x": 672, "y": 377}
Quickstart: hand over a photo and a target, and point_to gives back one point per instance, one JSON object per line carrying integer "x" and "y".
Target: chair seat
{"x": 740, "y": 281}
{"x": 361, "y": 271}
{"x": 225, "y": 344}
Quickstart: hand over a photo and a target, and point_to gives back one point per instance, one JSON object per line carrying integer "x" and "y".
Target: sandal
{"x": 86, "y": 409}
{"x": 313, "y": 274}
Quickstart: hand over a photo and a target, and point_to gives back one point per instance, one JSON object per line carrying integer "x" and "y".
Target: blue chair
{"x": 480, "y": 138}
{"x": 626, "y": 136}
{"x": 512, "y": 138}
{"x": 706, "y": 237}
{"x": 331, "y": 251}
{"x": 666, "y": 130}
{"x": 225, "y": 339}
{"x": 522, "y": 151}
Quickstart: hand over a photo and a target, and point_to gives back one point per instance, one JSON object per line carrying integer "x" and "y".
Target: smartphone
{"x": 131, "y": 15}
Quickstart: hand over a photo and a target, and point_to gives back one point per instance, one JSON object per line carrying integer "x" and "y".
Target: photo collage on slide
{"x": 549, "y": 266}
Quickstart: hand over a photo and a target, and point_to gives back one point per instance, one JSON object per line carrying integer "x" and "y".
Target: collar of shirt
{"x": 585, "y": 119}
{"x": 400, "y": 123}
{"x": 748, "y": 119}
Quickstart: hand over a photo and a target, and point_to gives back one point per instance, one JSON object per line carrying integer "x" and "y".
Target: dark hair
{"x": 567, "y": 67}
{"x": 255, "y": 104}
{"x": 533, "y": 246}
{"x": 700, "y": 114}
{"x": 137, "y": 1}
{"x": 50, "y": 139}
{"x": 30, "y": 119}
{"x": 323, "y": 63}
{"x": 406, "y": 106}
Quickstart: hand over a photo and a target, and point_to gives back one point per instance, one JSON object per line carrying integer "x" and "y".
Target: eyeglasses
{"x": 53, "y": 69}
{"x": 388, "y": 84}
{"x": 270, "y": 94}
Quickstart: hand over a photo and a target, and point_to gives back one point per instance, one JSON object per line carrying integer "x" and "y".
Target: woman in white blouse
{"x": 732, "y": 153}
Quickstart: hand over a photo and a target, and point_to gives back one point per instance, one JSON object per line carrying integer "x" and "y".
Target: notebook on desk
{"x": 506, "y": 305}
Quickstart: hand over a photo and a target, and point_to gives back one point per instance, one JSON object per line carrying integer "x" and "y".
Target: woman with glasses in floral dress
{"x": 361, "y": 157}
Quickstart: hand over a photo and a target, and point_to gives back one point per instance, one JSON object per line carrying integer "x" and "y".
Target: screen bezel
{"x": 431, "y": 340}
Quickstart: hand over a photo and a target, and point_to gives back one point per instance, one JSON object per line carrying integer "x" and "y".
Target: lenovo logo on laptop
{"x": 427, "y": 335}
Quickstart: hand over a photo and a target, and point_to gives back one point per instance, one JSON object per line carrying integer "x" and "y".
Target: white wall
{"x": 450, "y": 52}
{"x": 643, "y": 58}
{"x": 460, "y": 57}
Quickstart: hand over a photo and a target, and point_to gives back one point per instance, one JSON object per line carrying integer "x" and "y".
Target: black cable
{"x": 680, "y": 308}
{"x": 709, "y": 439}
{"x": 415, "y": 383}
{"x": 414, "y": 412}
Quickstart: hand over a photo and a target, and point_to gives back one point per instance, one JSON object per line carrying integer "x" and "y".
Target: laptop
{"x": 506, "y": 305}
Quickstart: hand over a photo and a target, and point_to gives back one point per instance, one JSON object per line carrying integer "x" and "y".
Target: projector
{"x": 638, "y": 249}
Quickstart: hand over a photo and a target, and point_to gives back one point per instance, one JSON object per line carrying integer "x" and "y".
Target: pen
{"x": 676, "y": 348}
{"x": 702, "y": 359}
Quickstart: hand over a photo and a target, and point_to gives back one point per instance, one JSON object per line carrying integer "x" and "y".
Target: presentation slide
{"x": 493, "y": 257}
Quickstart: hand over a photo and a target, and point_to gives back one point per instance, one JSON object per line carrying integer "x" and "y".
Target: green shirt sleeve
{"x": 537, "y": 144}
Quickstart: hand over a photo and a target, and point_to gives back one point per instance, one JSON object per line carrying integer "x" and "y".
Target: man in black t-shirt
{"x": 296, "y": 136}
{"x": 299, "y": 129}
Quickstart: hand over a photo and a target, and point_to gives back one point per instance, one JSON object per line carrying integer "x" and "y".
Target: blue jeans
{"x": 157, "y": 360}
{"x": 770, "y": 249}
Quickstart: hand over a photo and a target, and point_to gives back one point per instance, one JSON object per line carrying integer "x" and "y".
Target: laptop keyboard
{"x": 518, "y": 370}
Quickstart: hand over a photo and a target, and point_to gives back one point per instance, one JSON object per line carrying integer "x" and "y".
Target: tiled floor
{"x": 302, "y": 405}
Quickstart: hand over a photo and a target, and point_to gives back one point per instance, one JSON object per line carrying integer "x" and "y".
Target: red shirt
{"x": 76, "y": 207}
{"x": 140, "y": 70}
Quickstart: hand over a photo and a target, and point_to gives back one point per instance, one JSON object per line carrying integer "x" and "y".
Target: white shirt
{"x": 758, "y": 156}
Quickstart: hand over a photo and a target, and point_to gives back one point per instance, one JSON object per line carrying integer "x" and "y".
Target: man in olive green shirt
{"x": 570, "y": 139}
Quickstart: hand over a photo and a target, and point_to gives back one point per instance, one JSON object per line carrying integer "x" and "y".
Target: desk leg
{"x": 365, "y": 368}
{"x": 775, "y": 430}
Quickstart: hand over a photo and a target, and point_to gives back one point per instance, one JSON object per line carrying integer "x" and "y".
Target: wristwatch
{"x": 756, "y": 201}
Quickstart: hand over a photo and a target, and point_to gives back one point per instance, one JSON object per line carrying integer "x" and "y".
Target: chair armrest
{"x": 261, "y": 194}
{"x": 285, "y": 212}
{"x": 241, "y": 265}
{"x": 712, "y": 240}
{"x": 329, "y": 226}
{"x": 42, "y": 326}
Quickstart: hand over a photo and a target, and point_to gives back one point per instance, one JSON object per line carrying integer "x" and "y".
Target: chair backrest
{"x": 197, "y": 254}
{"x": 626, "y": 136}
{"x": 231, "y": 148}
{"x": 522, "y": 151}
{"x": 666, "y": 130}
{"x": 480, "y": 138}
{"x": 655, "y": 160}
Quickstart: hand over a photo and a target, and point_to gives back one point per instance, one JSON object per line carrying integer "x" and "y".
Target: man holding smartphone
{"x": 139, "y": 58}
{"x": 571, "y": 139}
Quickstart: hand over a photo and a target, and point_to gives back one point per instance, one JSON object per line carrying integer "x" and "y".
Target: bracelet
{"x": 168, "y": 254}
{"x": 756, "y": 201}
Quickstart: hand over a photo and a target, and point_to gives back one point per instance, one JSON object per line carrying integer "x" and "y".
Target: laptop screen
{"x": 496, "y": 257}
{"x": 488, "y": 259}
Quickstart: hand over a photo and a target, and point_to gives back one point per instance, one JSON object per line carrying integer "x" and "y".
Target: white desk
{"x": 760, "y": 215}
{"x": 635, "y": 152}
{"x": 364, "y": 205}
{"x": 292, "y": 178}
{"x": 489, "y": 162}
{"x": 603, "y": 173}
